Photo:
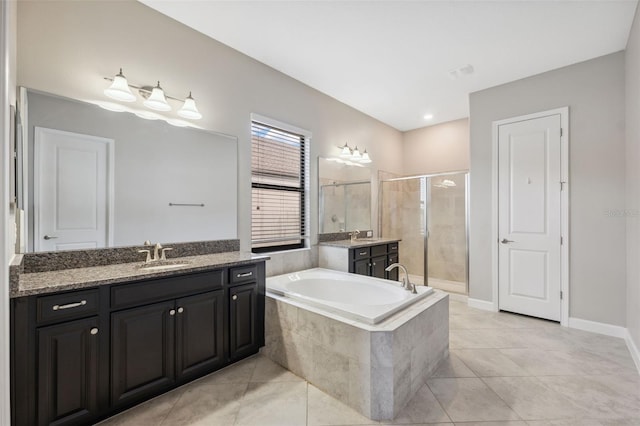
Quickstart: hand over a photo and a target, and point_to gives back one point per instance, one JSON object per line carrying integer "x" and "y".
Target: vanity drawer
{"x": 160, "y": 289}
{"x": 66, "y": 306}
{"x": 243, "y": 274}
{"x": 361, "y": 253}
{"x": 380, "y": 250}
{"x": 393, "y": 247}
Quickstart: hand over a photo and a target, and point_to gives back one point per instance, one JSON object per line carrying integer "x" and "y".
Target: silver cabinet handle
{"x": 362, "y": 253}
{"x": 172, "y": 312}
{"x": 374, "y": 263}
{"x": 246, "y": 274}
{"x": 69, "y": 305}
{"x": 234, "y": 297}
{"x": 180, "y": 310}
{"x": 505, "y": 241}
{"x": 94, "y": 331}
{"x": 49, "y": 237}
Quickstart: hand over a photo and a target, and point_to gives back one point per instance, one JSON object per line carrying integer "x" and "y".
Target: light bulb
{"x": 189, "y": 109}
{"x": 157, "y": 100}
{"x": 119, "y": 89}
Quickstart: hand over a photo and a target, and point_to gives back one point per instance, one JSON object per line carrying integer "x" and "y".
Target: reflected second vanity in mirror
{"x": 93, "y": 178}
{"x": 344, "y": 192}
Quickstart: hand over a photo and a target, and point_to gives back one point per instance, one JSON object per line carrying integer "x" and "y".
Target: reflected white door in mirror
{"x": 73, "y": 191}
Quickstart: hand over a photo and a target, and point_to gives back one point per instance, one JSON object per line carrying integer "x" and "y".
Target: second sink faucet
{"x": 354, "y": 235}
{"x": 159, "y": 252}
{"x": 406, "y": 284}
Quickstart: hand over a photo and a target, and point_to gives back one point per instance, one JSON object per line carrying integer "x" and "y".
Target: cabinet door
{"x": 68, "y": 372}
{"x": 142, "y": 352}
{"x": 393, "y": 274}
{"x": 200, "y": 333}
{"x": 361, "y": 267}
{"x": 377, "y": 266}
{"x": 242, "y": 320}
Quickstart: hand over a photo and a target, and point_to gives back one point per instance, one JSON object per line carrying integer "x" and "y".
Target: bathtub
{"x": 354, "y": 297}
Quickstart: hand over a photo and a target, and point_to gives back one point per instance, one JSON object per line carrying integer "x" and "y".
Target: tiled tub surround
{"x": 26, "y": 284}
{"x": 375, "y": 369}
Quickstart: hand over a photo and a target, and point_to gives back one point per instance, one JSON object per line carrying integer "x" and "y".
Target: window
{"x": 278, "y": 187}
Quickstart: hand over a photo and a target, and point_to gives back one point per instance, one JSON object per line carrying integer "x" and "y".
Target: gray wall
{"x": 632, "y": 73}
{"x": 70, "y": 55}
{"x": 594, "y": 92}
{"x": 440, "y": 148}
{"x": 154, "y": 164}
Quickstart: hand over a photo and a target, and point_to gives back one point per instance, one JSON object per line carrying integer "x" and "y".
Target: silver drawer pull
{"x": 172, "y": 312}
{"x": 94, "y": 331}
{"x": 362, "y": 253}
{"x": 180, "y": 310}
{"x": 246, "y": 274}
{"x": 234, "y": 297}
{"x": 69, "y": 305}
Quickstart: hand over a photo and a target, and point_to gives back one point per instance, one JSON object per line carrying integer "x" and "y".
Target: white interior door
{"x": 529, "y": 217}
{"x": 72, "y": 190}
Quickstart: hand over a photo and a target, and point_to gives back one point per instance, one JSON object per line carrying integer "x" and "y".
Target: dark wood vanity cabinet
{"x": 81, "y": 356}
{"x": 67, "y": 372}
{"x": 373, "y": 260}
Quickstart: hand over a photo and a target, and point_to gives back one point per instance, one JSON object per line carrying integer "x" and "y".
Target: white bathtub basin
{"x": 352, "y": 296}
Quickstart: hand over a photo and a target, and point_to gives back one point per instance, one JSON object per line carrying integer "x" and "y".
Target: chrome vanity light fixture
{"x": 353, "y": 156}
{"x": 154, "y": 98}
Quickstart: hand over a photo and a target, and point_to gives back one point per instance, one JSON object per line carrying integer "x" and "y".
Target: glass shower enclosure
{"x": 430, "y": 214}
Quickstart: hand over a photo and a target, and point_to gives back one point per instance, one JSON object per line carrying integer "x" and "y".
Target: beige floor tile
{"x": 565, "y": 422}
{"x": 423, "y": 408}
{"x": 274, "y": 404}
{"x": 490, "y": 363}
{"x": 595, "y": 397}
{"x": 542, "y": 362}
{"x": 240, "y": 372}
{"x": 323, "y": 410}
{"x": 206, "y": 404}
{"x": 532, "y": 400}
{"x": 151, "y": 413}
{"x": 507, "y": 423}
{"x": 469, "y": 399}
{"x": 268, "y": 371}
{"x": 452, "y": 366}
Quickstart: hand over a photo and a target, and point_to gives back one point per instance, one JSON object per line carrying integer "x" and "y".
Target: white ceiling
{"x": 391, "y": 59}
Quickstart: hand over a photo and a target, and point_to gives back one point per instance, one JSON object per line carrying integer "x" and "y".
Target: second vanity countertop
{"x": 71, "y": 279}
{"x": 360, "y": 242}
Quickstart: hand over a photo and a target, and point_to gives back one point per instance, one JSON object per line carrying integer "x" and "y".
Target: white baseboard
{"x": 598, "y": 327}
{"x": 633, "y": 349}
{"x": 480, "y": 304}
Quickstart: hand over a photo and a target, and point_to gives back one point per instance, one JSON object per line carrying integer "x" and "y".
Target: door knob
{"x": 505, "y": 241}
{"x": 49, "y": 237}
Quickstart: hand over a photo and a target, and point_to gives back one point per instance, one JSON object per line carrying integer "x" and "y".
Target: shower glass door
{"x": 429, "y": 215}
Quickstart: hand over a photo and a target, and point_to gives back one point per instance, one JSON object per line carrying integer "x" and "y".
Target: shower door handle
{"x": 505, "y": 241}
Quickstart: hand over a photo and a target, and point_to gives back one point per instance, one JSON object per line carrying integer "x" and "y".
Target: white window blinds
{"x": 277, "y": 188}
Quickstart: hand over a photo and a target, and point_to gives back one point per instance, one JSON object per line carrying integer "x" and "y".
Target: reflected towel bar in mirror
{"x": 186, "y": 205}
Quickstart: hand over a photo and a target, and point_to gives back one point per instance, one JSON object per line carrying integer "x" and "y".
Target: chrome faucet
{"x": 159, "y": 252}
{"x": 354, "y": 235}
{"x": 406, "y": 284}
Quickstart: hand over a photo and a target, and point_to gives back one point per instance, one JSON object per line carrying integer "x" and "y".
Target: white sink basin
{"x": 163, "y": 266}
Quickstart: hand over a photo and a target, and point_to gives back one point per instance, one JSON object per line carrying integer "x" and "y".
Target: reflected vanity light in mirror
{"x": 353, "y": 156}
{"x": 147, "y": 115}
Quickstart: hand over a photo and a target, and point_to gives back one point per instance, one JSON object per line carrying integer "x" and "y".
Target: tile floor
{"x": 504, "y": 369}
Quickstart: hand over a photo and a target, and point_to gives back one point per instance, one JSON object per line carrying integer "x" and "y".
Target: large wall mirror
{"x": 93, "y": 178}
{"x": 344, "y": 192}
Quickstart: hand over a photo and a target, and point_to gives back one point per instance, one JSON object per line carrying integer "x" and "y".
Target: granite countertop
{"x": 360, "y": 242}
{"x": 72, "y": 279}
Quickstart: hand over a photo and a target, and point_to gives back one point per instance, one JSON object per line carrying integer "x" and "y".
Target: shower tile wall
{"x": 402, "y": 212}
{"x": 447, "y": 239}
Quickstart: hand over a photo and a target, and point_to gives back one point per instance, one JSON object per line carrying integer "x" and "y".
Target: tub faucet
{"x": 406, "y": 284}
